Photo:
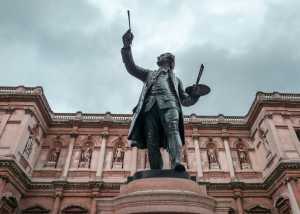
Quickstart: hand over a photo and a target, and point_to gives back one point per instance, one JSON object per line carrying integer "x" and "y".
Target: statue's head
{"x": 166, "y": 59}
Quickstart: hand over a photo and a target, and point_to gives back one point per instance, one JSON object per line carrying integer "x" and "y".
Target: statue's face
{"x": 166, "y": 59}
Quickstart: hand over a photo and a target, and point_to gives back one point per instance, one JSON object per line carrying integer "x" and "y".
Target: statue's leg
{"x": 170, "y": 119}
{"x": 152, "y": 130}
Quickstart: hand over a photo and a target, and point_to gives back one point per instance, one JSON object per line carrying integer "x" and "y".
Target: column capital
{"x": 104, "y": 134}
{"x": 4, "y": 178}
{"x": 74, "y": 134}
{"x": 195, "y": 136}
{"x": 9, "y": 110}
{"x": 237, "y": 193}
{"x": 58, "y": 193}
{"x": 268, "y": 115}
{"x": 290, "y": 179}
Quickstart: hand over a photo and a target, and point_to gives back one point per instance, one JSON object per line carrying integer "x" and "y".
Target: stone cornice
{"x": 281, "y": 168}
{"x": 36, "y": 94}
{"x": 12, "y": 168}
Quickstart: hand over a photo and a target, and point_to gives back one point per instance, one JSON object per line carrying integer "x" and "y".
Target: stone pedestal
{"x": 159, "y": 195}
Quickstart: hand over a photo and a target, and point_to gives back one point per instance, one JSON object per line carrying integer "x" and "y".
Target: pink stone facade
{"x": 79, "y": 163}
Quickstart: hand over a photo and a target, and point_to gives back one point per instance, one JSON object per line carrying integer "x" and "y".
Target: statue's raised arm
{"x": 131, "y": 67}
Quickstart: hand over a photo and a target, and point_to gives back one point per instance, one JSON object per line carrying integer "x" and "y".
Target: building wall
{"x": 256, "y": 158}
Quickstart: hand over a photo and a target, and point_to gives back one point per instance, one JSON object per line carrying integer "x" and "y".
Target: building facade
{"x": 73, "y": 162}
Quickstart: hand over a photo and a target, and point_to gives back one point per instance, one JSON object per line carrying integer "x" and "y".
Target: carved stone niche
{"x": 212, "y": 156}
{"x": 243, "y": 155}
{"x": 86, "y": 155}
{"x": 118, "y": 155}
{"x": 54, "y": 154}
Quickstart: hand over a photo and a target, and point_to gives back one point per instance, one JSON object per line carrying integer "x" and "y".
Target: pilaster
{"x": 134, "y": 152}
{"x": 292, "y": 197}
{"x": 229, "y": 157}
{"x": 198, "y": 157}
{"x": 69, "y": 156}
{"x": 57, "y": 202}
{"x": 292, "y": 133}
{"x": 101, "y": 159}
{"x": 273, "y": 132}
{"x": 4, "y": 120}
{"x": 238, "y": 201}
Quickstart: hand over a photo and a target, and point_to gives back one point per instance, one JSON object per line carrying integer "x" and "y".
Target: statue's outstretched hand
{"x": 127, "y": 38}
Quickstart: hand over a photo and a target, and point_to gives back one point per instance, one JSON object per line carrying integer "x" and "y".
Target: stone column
{"x": 101, "y": 159}
{"x": 134, "y": 152}
{"x": 275, "y": 136}
{"x": 292, "y": 197}
{"x": 69, "y": 156}
{"x": 296, "y": 190}
{"x": 94, "y": 204}
{"x": 238, "y": 201}
{"x": 228, "y": 157}
{"x": 57, "y": 202}
{"x": 198, "y": 157}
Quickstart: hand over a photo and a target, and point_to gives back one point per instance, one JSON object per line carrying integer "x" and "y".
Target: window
{"x": 283, "y": 206}
{"x": 298, "y": 134}
{"x": 28, "y": 147}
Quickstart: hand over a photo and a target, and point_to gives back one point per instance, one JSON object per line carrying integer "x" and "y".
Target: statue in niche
{"x": 85, "y": 157}
{"x": 243, "y": 157}
{"x": 265, "y": 142}
{"x": 118, "y": 157}
{"x": 212, "y": 157}
{"x": 53, "y": 157}
{"x": 184, "y": 157}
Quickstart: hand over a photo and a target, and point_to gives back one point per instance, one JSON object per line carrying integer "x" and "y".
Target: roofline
{"x": 37, "y": 94}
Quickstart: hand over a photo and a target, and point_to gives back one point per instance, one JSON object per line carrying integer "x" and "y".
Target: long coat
{"x": 136, "y": 133}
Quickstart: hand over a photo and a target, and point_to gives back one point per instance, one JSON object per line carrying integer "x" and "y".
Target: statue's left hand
{"x": 195, "y": 92}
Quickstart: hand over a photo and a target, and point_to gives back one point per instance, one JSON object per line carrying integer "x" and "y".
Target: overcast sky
{"x": 72, "y": 49}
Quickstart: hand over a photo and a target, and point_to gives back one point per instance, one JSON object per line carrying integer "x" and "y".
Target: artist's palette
{"x": 199, "y": 90}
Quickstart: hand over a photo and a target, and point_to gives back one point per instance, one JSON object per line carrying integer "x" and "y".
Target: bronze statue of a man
{"x": 157, "y": 119}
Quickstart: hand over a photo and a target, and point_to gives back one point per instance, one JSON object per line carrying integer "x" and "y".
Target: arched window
{"x": 212, "y": 156}
{"x": 283, "y": 206}
{"x": 86, "y": 155}
{"x": 258, "y": 210}
{"x": 243, "y": 156}
{"x": 118, "y": 155}
{"x": 36, "y": 210}
{"x": 74, "y": 209}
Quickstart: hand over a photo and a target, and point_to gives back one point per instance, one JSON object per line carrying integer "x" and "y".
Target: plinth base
{"x": 161, "y": 191}
{"x": 158, "y": 173}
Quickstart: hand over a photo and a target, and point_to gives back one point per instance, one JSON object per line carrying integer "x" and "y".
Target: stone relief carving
{"x": 212, "y": 156}
{"x": 184, "y": 157}
{"x": 263, "y": 136}
{"x": 243, "y": 156}
{"x": 53, "y": 157}
{"x": 118, "y": 155}
{"x": 85, "y": 156}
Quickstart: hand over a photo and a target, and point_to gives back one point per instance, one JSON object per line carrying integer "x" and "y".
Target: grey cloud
{"x": 72, "y": 49}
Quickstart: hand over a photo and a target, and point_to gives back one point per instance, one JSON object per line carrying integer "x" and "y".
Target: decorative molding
{"x": 36, "y": 94}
